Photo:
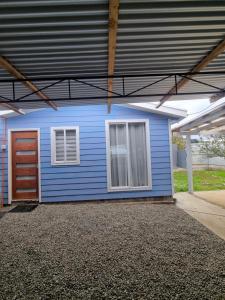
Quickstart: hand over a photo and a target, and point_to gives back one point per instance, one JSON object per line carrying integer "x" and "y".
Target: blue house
{"x": 83, "y": 153}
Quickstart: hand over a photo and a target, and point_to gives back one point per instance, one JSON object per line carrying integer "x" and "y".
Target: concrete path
{"x": 210, "y": 215}
{"x": 214, "y": 197}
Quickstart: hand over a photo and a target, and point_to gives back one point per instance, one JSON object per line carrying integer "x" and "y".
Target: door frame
{"x": 10, "y": 161}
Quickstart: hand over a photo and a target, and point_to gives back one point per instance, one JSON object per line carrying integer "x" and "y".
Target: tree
{"x": 214, "y": 147}
{"x": 179, "y": 141}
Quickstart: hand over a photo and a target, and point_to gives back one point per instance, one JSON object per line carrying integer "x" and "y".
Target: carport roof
{"x": 210, "y": 120}
{"x": 57, "y": 44}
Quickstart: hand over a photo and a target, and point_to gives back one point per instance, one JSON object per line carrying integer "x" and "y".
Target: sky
{"x": 192, "y": 106}
{"x": 5, "y": 112}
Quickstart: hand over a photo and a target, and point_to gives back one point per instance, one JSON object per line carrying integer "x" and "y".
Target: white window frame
{"x": 148, "y": 154}
{"x": 53, "y": 146}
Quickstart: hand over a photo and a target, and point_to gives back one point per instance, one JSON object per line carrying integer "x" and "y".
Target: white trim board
{"x": 53, "y": 146}
{"x": 162, "y": 110}
{"x": 10, "y": 161}
{"x": 148, "y": 149}
{"x": 171, "y": 154}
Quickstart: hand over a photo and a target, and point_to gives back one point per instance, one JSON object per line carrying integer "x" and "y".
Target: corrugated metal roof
{"x": 212, "y": 118}
{"x": 45, "y": 38}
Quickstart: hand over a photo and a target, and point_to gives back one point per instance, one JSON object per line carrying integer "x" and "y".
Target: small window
{"x": 65, "y": 146}
{"x": 128, "y": 155}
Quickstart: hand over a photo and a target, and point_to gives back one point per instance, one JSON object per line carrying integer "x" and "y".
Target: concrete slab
{"x": 210, "y": 215}
{"x": 214, "y": 197}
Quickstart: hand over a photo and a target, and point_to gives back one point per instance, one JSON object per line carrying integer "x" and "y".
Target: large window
{"x": 65, "y": 145}
{"x": 128, "y": 155}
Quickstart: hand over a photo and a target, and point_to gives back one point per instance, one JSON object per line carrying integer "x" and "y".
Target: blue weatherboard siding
{"x": 88, "y": 181}
{"x": 1, "y": 135}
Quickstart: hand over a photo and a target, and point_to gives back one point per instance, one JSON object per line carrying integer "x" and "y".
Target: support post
{"x": 189, "y": 163}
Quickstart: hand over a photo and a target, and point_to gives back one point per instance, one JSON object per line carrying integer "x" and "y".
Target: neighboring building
{"x": 83, "y": 153}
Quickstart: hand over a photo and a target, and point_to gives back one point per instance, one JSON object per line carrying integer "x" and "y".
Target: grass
{"x": 204, "y": 180}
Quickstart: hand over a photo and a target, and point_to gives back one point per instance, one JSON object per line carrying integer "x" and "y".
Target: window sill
{"x": 130, "y": 189}
{"x": 65, "y": 164}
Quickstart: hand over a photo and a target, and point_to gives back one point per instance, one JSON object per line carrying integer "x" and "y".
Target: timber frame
{"x": 112, "y": 35}
{"x": 11, "y": 69}
{"x": 110, "y": 90}
{"x": 214, "y": 53}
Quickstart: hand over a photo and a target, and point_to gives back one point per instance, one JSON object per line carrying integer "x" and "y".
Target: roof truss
{"x": 4, "y": 63}
{"x": 144, "y": 90}
{"x": 214, "y": 53}
{"x": 13, "y": 108}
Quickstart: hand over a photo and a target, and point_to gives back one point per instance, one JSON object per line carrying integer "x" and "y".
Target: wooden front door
{"x": 24, "y": 165}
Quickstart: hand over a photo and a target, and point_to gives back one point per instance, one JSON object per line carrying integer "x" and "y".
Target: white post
{"x": 189, "y": 163}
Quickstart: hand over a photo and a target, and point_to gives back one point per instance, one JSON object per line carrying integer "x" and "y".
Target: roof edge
{"x": 162, "y": 110}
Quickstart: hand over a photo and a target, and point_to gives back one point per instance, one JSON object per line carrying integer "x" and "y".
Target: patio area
{"x": 214, "y": 197}
{"x": 109, "y": 251}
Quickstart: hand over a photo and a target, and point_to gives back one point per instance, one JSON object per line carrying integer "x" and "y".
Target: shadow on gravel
{"x": 2, "y": 214}
{"x": 23, "y": 208}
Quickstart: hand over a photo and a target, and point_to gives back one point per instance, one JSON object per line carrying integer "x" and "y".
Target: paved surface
{"x": 214, "y": 197}
{"x": 210, "y": 215}
{"x": 109, "y": 251}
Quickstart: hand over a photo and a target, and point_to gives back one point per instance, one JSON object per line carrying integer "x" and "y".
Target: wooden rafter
{"x": 12, "y": 107}
{"x": 214, "y": 53}
{"x": 112, "y": 36}
{"x": 10, "y": 68}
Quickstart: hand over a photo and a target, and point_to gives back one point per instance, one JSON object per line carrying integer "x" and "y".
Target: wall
{"x": 2, "y": 160}
{"x": 88, "y": 180}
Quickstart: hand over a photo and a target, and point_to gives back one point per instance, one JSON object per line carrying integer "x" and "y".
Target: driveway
{"x": 109, "y": 251}
{"x": 210, "y": 215}
{"x": 214, "y": 197}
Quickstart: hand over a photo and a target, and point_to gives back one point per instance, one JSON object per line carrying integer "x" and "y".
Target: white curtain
{"x": 119, "y": 159}
{"x": 128, "y": 162}
{"x": 138, "y": 155}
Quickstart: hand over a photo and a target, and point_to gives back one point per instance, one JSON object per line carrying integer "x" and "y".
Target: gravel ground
{"x": 109, "y": 251}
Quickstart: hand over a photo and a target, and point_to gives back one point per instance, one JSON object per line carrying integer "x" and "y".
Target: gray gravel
{"x": 109, "y": 251}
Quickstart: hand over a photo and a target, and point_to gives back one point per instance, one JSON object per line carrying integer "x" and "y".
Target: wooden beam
{"x": 12, "y": 107}
{"x": 4, "y": 63}
{"x": 214, "y": 53}
{"x": 112, "y": 36}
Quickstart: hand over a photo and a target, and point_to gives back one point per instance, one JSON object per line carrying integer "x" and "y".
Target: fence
{"x": 199, "y": 160}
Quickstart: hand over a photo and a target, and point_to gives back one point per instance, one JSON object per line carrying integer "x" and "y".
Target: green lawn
{"x": 204, "y": 180}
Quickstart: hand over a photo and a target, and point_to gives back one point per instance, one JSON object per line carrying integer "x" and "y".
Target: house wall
{"x": 88, "y": 181}
{"x": 2, "y": 155}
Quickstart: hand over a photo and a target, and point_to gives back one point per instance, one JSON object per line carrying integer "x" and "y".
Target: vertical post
{"x": 189, "y": 163}
{"x": 176, "y": 83}
{"x": 171, "y": 155}
{"x": 69, "y": 88}
{"x": 123, "y": 87}
{"x": 14, "y": 91}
